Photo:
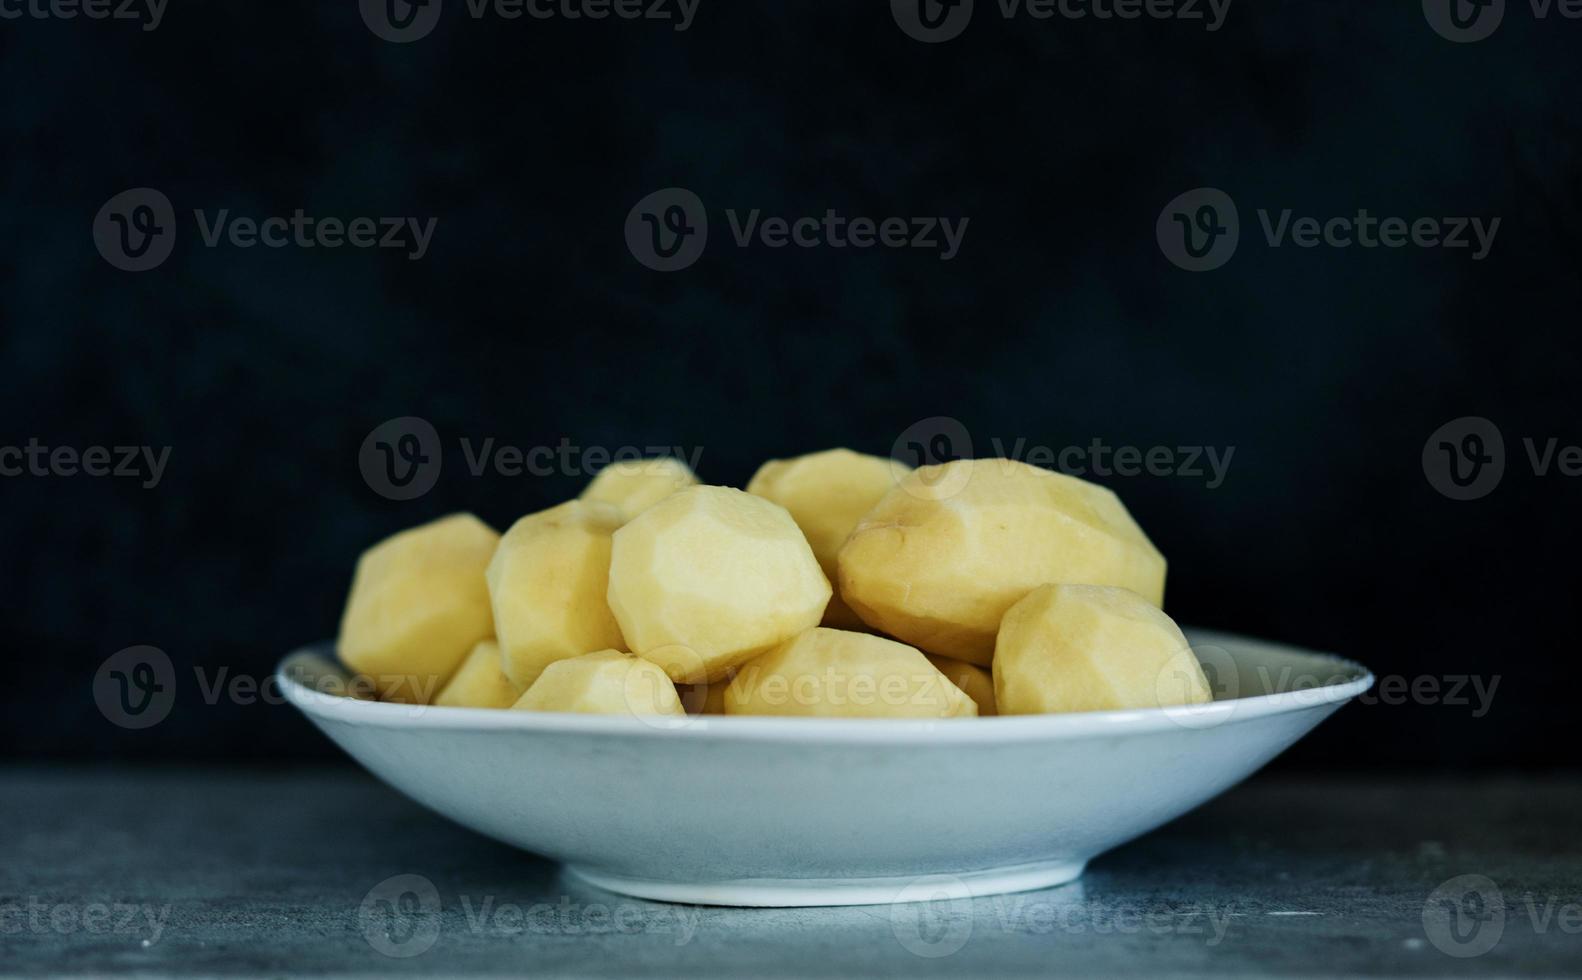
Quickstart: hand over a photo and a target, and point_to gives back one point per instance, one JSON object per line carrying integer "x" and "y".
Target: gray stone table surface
{"x": 326, "y": 872}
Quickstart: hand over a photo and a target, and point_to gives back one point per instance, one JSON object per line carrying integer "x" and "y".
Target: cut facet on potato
{"x": 1092, "y": 648}
{"x": 829, "y": 673}
{"x": 827, "y": 493}
{"x": 548, "y": 581}
{"x": 976, "y": 682}
{"x": 634, "y": 486}
{"x": 418, "y": 605}
{"x": 947, "y": 551}
{"x": 709, "y": 578}
{"x": 480, "y": 682}
{"x": 606, "y": 682}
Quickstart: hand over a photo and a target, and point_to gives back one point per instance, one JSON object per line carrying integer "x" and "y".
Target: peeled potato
{"x": 634, "y": 486}
{"x": 829, "y": 673}
{"x": 418, "y": 605}
{"x": 480, "y": 682}
{"x": 948, "y": 550}
{"x": 548, "y": 581}
{"x": 1092, "y": 648}
{"x": 976, "y": 682}
{"x": 607, "y": 682}
{"x": 709, "y": 578}
{"x": 827, "y": 493}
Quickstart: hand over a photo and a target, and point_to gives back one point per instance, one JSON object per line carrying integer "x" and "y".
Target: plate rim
{"x": 1351, "y": 680}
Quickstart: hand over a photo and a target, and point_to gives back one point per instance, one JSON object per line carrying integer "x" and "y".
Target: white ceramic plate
{"x": 788, "y": 811}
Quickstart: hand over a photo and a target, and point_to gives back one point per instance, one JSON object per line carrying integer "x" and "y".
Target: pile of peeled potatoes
{"x": 836, "y": 585}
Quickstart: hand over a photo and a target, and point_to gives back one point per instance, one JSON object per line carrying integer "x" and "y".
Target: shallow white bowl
{"x": 787, "y": 811}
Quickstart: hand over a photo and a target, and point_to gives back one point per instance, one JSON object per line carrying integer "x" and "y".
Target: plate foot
{"x": 790, "y": 892}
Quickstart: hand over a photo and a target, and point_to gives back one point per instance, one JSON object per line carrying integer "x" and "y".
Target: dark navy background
{"x": 1059, "y": 322}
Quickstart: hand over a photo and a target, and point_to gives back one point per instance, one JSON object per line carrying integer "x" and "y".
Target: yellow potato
{"x": 938, "y": 561}
{"x": 480, "y": 682}
{"x": 827, "y": 493}
{"x": 709, "y": 578}
{"x": 634, "y": 486}
{"x": 828, "y": 673}
{"x": 548, "y": 581}
{"x": 975, "y": 681}
{"x": 1092, "y": 648}
{"x": 418, "y": 605}
{"x": 607, "y": 682}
